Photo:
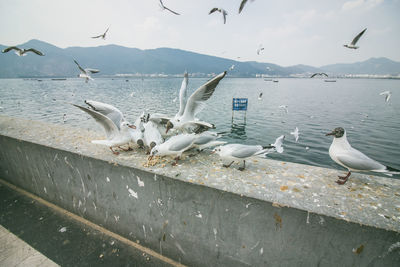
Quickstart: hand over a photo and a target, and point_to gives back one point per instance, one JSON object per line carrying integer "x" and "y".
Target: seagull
{"x": 242, "y": 4}
{"x": 259, "y": 49}
{"x": 85, "y": 73}
{"x": 152, "y": 135}
{"x": 260, "y": 96}
{"x": 221, "y": 10}
{"x": 21, "y": 51}
{"x": 352, "y": 45}
{"x": 231, "y": 67}
{"x": 319, "y": 73}
{"x": 116, "y": 127}
{"x": 345, "y": 155}
{"x": 238, "y": 152}
{"x": 284, "y": 107}
{"x": 196, "y": 102}
{"x": 387, "y": 95}
{"x": 103, "y": 36}
{"x": 174, "y": 146}
{"x": 295, "y": 133}
{"x": 166, "y": 8}
{"x": 137, "y": 134}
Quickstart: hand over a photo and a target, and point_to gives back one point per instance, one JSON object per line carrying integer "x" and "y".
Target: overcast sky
{"x": 291, "y": 31}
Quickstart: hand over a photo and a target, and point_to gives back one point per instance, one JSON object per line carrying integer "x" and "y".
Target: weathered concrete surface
{"x": 274, "y": 213}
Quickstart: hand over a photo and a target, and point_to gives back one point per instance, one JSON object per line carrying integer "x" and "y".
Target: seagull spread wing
{"x": 224, "y": 14}
{"x": 108, "y": 110}
{"x": 196, "y": 101}
{"x": 356, "y": 160}
{"x": 80, "y": 68}
{"x": 242, "y": 4}
{"x": 159, "y": 118}
{"x": 355, "y": 40}
{"x": 92, "y": 70}
{"x": 98, "y": 36}
{"x": 213, "y": 10}
{"x": 182, "y": 96}
{"x": 108, "y": 125}
{"x": 37, "y": 52}
{"x": 11, "y": 48}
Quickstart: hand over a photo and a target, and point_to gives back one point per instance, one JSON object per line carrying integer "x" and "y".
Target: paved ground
{"x": 33, "y": 234}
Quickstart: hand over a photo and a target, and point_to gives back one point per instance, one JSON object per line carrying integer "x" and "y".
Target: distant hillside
{"x": 114, "y": 59}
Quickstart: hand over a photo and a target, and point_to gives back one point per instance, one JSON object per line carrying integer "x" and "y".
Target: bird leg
{"x": 227, "y": 166}
{"x": 343, "y": 179}
{"x": 114, "y": 152}
{"x": 244, "y": 166}
{"x": 176, "y": 161}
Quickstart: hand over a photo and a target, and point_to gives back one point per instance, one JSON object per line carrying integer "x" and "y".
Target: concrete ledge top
{"x": 365, "y": 199}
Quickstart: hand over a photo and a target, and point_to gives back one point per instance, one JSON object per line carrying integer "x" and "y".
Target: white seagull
{"x": 174, "y": 146}
{"x": 260, "y": 96}
{"x": 259, "y": 49}
{"x": 238, "y": 152}
{"x": 352, "y": 45}
{"x": 387, "y": 95}
{"x": 152, "y": 135}
{"x": 103, "y": 36}
{"x": 118, "y": 130}
{"x": 345, "y": 155}
{"x": 21, "y": 51}
{"x": 182, "y": 95}
{"x": 295, "y": 133}
{"x": 85, "y": 73}
{"x": 221, "y": 10}
{"x": 196, "y": 102}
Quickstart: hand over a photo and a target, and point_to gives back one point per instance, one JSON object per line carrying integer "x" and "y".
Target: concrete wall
{"x": 191, "y": 223}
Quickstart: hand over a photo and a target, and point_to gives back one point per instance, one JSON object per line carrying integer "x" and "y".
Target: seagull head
{"x": 170, "y": 125}
{"x": 153, "y": 152}
{"x": 126, "y": 125}
{"x": 337, "y": 132}
{"x": 216, "y": 150}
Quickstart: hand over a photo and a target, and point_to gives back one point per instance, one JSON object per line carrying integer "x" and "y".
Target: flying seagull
{"x": 166, "y": 8}
{"x": 103, "y": 36}
{"x": 85, "y": 73}
{"x": 295, "y": 133}
{"x": 387, "y": 95}
{"x": 221, "y": 10}
{"x": 194, "y": 104}
{"x": 352, "y": 45}
{"x": 259, "y": 49}
{"x": 320, "y": 74}
{"x": 118, "y": 130}
{"x": 260, "y": 96}
{"x": 22, "y": 52}
{"x": 242, "y": 4}
{"x": 345, "y": 155}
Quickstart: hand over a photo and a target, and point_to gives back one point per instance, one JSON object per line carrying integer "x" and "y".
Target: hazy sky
{"x": 292, "y": 31}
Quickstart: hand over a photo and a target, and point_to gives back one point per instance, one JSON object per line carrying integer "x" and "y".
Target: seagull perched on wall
{"x": 345, "y": 155}
{"x": 221, "y": 10}
{"x": 103, "y": 36}
{"x": 352, "y": 45}
{"x": 85, "y": 73}
{"x": 166, "y": 8}
{"x": 118, "y": 130}
{"x": 21, "y": 51}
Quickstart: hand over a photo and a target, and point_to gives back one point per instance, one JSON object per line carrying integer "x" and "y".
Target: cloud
{"x": 367, "y": 4}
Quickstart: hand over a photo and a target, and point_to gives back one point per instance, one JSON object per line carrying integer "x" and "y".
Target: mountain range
{"x": 116, "y": 60}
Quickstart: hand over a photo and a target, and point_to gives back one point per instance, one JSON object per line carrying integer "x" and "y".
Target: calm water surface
{"x": 315, "y": 107}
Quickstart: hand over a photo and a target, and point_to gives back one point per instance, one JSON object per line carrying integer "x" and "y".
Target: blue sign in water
{"x": 239, "y": 103}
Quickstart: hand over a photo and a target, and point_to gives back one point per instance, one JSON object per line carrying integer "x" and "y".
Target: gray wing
{"x": 108, "y": 110}
{"x": 109, "y": 126}
{"x": 224, "y": 13}
{"x": 204, "y": 139}
{"x": 92, "y": 70}
{"x": 37, "y": 52}
{"x": 213, "y": 10}
{"x": 182, "y": 95}
{"x": 203, "y": 93}
{"x": 79, "y": 66}
{"x": 159, "y": 118}
{"x": 98, "y": 36}
{"x": 356, "y": 160}
{"x": 242, "y": 4}
{"x": 11, "y": 48}
{"x": 355, "y": 40}
{"x": 245, "y": 151}
{"x": 181, "y": 143}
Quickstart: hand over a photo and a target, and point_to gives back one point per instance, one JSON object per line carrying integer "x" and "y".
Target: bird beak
{"x": 331, "y": 133}
{"x": 167, "y": 130}
{"x": 150, "y": 158}
{"x": 132, "y": 126}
